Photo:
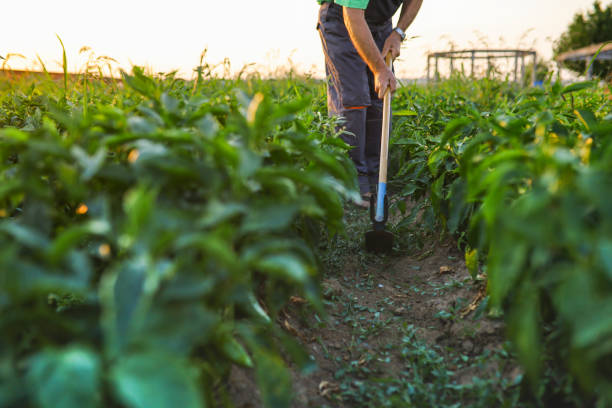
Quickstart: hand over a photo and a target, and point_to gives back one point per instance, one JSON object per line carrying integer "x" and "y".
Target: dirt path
{"x": 401, "y": 330}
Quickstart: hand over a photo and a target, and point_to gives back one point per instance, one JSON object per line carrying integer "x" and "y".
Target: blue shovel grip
{"x": 380, "y": 202}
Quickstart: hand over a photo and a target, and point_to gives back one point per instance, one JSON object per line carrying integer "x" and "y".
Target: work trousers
{"x": 351, "y": 94}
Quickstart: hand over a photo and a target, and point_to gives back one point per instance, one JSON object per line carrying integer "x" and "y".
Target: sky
{"x": 272, "y": 34}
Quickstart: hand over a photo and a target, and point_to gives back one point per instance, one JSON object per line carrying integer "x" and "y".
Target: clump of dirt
{"x": 395, "y": 324}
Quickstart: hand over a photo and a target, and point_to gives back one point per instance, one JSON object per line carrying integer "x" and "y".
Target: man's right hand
{"x": 383, "y": 79}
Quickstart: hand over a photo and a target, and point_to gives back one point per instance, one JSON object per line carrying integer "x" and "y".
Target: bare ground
{"x": 404, "y": 327}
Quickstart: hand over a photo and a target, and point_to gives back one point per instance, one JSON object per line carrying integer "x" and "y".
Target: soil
{"x": 371, "y": 302}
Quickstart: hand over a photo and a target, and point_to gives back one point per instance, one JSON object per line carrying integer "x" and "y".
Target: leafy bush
{"x": 150, "y": 231}
{"x": 524, "y": 182}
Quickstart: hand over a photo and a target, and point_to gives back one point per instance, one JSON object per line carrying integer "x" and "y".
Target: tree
{"x": 593, "y": 28}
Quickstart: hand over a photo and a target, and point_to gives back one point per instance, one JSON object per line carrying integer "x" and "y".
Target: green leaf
{"x": 256, "y": 250}
{"x": 177, "y": 327}
{"x": 405, "y": 112}
{"x": 150, "y": 151}
{"x": 9, "y": 187}
{"x": 208, "y": 126}
{"x": 453, "y": 128}
{"x": 141, "y": 83}
{"x": 155, "y": 380}
{"x": 250, "y": 162}
{"x": 458, "y": 205}
{"x": 152, "y": 115}
{"x": 298, "y": 354}
{"x": 605, "y": 256}
{"x": 285, "y": 266}
{"x": 269, "y": 217}
{"x": 595, "y": 329}
{"x": 251, "y": 306}
{"x": 141, "y": 126}
{"x": 169, "y": 103}
{"x": 273, "y": 379}
{"x": 471, "y": 261}
{"x": 74, "y": 236}
{"x": 588, "y": 118}
{"x": 64, "y": 66}
{"x": 590, "y": 313}
{"x": 506, "y": 262}
{"x": 127, "y": 293}
{"x": 14, "y": 135}
{"x": 214, "y": 245}
{"x": 217, "y": 213}
{"x": 435, "y": 159}
{"x": 578, "y": 86}
{"x": 25, "y": 235}
{"x": 12, "y": 390}
{"x": 89, "y": 164}
{"x": 557, "y": 88}
{"x": 235, "y": 351}
{"x": 68, "y": 378}
{"x": 139, "y": 205}
{"x": 524, "y": 328}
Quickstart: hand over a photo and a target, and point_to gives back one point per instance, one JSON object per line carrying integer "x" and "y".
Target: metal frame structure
{"x": 479, "y": 54}
{"x": 586, "y": 54}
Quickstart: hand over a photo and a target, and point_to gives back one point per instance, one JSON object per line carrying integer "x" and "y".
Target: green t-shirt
{"x": 376, "y": 11}
{"x": 360, "y": 4}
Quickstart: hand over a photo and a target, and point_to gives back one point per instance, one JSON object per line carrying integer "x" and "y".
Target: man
{"x": 356, "y": 35}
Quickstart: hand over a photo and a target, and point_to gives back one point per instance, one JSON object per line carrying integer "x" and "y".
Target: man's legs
{"x": 348, "y": 90}
{"x": 355, "y": 132}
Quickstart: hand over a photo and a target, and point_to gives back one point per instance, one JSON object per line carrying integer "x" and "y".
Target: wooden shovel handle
{"x": 384, "y": 152}
{"x": 386, "y": 127}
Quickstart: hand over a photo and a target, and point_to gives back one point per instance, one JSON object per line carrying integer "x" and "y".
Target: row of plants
{"x": 522, "y": 179}
{"x": 150, "y": 230}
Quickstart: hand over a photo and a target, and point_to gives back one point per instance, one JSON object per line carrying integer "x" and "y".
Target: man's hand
{"x": 393, "y": 44}
{"x": 383, "y": 79}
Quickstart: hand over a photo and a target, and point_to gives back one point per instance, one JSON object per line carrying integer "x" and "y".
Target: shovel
{"x": 378, "y": 240}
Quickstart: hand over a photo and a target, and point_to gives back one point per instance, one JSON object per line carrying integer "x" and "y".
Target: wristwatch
{"x": 401, "y": 33}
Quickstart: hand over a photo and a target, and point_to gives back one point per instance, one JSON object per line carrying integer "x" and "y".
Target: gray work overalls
{"x": 350, "y": 90}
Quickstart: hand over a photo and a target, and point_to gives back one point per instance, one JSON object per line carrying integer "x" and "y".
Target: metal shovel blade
{"x": 379, "y": 241}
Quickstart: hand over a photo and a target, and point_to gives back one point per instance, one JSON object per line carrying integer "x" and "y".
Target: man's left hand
{"x": 393, "y": 43}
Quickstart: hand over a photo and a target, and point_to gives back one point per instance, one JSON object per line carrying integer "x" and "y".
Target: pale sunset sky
{"x": 170, "y": 35}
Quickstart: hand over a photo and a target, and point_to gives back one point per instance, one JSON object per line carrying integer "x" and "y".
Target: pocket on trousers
{"x": 323, "y": 11}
